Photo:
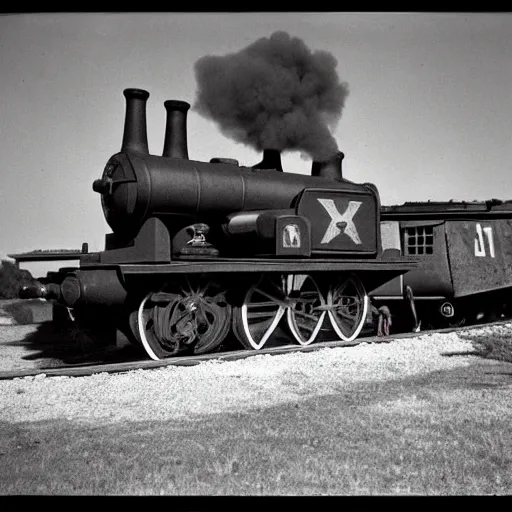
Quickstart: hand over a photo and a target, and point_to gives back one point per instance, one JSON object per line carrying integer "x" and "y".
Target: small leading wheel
{"x": 195, "y": 320}
{"x": 347, "y": 304}
{"x": 262, "y": 308}
{"x": 306, "y": 311}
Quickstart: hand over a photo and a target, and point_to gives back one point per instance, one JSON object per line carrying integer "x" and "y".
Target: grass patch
{"x": 497, "y": 345}
{"x": 442, "y": 434}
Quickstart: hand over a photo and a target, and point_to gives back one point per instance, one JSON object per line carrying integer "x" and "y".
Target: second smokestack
{"x": 175, "y": 139}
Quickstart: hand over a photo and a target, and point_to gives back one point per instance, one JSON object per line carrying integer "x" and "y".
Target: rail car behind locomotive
{"x": 465, "y": 254}
{"x": 202, "y": 249}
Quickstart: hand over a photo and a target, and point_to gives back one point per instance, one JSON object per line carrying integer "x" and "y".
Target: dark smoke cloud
{"x": 276, "y": 93}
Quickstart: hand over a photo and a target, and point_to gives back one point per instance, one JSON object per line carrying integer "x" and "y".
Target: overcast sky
{"x": 428, "y": 116}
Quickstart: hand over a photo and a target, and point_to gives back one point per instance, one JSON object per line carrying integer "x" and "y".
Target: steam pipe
{"x": 175, "y": 140}
{"x": 135, "y": 138}
{"x": 271, "y": 160}
{"x": 330, "y": 168}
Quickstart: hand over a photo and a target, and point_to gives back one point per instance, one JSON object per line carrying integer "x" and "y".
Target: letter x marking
{"x": 340, "y": 221}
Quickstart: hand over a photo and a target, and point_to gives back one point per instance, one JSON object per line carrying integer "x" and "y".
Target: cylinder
{"x": 95, "y": 287}
{"x": 175, "y": 139}
{"x": 135, "y": 138}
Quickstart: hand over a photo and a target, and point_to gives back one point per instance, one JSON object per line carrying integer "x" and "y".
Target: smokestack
{"x": 330, "y": 168}
{"x": 271, "y": 160}
{"x": 135, "y": 138}
{"x": 175, "y": 140}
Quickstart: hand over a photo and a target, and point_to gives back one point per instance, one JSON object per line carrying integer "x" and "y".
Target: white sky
{"x": 429, "y": 114}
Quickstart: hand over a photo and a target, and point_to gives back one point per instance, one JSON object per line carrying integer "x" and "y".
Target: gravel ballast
{"x": 214, "y": 387}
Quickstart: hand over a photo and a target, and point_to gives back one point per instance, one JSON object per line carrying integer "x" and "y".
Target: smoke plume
{"x": 274, "y": 94}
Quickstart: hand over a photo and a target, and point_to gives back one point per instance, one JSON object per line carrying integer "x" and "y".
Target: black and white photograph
{"x": 255, "y": 254}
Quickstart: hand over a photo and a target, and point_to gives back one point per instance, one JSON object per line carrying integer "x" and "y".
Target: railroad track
{"x": 83, "y": 370}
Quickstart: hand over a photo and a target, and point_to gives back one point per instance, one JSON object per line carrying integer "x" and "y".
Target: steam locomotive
{"x": 202, "y": 251}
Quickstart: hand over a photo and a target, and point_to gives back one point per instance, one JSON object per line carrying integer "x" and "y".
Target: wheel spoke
{"x": 305, "y": 315}
{"x": 306, "y": 327}
{"x": 261, "y": 314}
{"x": 255, "y": 320}
{"x": 273, "y": 299}
{"x": 348, "y": 305}
{"x": 259, "y": 332}
{"x": 344, "y": 314}
{"x": 302, "y": 314}
{"x": 269, "y": 303}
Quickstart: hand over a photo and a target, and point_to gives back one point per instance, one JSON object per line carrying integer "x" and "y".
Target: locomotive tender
{"x": 465, "y": 262}
{"x": 199, "y": 250}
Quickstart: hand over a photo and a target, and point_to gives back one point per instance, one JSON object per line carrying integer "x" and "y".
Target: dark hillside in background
{"x": 11, "y": 279}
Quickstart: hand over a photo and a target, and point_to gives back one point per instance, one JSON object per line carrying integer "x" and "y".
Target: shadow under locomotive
{"x": 54, "y": 345}
{"x": 204, "y": 253}
{"x": 51, "y": 347}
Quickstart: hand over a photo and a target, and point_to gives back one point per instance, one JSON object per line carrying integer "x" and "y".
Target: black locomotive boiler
{"x": 200, "y": 251}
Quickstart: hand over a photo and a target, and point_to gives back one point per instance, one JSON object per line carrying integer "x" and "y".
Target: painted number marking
{"x": 479, "y": 241}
